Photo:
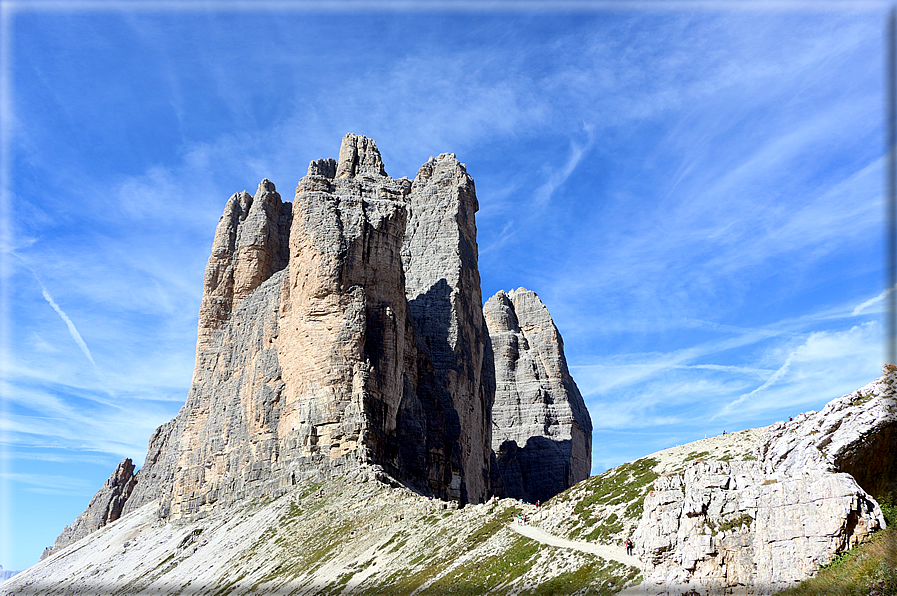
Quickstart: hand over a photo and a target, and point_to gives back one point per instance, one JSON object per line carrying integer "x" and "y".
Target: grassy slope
{"x": 606, "y": 508}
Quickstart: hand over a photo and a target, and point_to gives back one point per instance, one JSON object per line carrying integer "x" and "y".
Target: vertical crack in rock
{"x": 343, "y": 340}
{"x": 542, "y": 431}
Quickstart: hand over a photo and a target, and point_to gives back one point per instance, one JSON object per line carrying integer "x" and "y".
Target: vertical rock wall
{"x": 442, "y": 285}
{"x": 343, "y": 314}
{"x": 542, "y": 431}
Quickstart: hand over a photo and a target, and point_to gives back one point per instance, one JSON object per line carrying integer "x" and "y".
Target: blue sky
{"x": 693, "y": 188}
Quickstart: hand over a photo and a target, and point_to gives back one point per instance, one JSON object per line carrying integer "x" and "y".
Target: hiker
{"x": 629, "y": 547}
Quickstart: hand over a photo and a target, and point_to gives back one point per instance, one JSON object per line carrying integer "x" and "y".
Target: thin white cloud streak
{"x": 878, "y": 300}
{"x": 50, "y": 484}
{"x": 77, "y": 421}
{"x": 630, "y": 369}
{"x": 73, "y": 331}
{"x": 627, "y": 389}
{"x": 66, "y": 457}
{"x": 826, "y": 360}
{"x": 543, "y": 194}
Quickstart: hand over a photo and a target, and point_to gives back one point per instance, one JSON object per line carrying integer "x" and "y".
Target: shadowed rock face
{"x": 341, "y": 329}
{"x": 105, "y": 507}
{"x": 542, "y": 431}
{"x": 442, "y": 285}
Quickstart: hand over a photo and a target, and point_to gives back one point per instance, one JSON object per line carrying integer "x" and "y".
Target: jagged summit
{"x": 358, "y": 156}
{"x": 344, "y": 330}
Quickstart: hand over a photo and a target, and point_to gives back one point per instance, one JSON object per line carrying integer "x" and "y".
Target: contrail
{"x": 72, "y": 329}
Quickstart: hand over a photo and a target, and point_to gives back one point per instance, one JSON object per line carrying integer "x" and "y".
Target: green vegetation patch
{"x": 696, "y": 455}
{"x": 728, "y": 525}
{"x": 888, "y": 509}
{"x": 735, "y": 523}
{"x": 600, "y": 577}
{"x": 606, "y": 529}
{"x": 483, "y": 575}
{"x": 859, "y": 399}
{"x": 491, "y": 527}
{"x": 628, "y": 483}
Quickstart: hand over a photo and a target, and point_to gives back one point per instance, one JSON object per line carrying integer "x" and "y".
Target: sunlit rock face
{"x": 542, "y": 432}
{"x": 763, "y": 525}
{"x": 346, "y": 328}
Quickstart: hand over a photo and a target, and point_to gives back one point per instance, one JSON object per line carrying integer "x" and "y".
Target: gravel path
{"x": 602, "y": 550}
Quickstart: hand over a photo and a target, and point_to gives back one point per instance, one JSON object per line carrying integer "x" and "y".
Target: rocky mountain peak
{"x": 358, "y": 156}
{"x": 345, "y": 329}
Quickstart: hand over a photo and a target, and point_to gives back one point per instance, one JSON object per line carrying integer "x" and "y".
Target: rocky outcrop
{"x": 854, "y": 434}
{"x": 339, "y": 331}
{"x": 542, "y": 432}
{"x": 723, "y": 525}
{"x": 251, "y": 243}
{"x": 764, "y": 524}
{"x": 105, "y": 507}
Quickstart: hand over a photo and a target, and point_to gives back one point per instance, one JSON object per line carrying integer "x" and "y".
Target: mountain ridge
{"x": 346, "y": 328}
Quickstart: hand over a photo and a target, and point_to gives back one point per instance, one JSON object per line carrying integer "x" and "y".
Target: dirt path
{"x": 602, "y": 550}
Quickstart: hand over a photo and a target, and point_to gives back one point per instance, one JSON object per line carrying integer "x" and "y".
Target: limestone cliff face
{"x": 343, "y": 313}
{"x": 763, "y": 525}
{"x": 720, "y": 525}
{"x": 340, "y": 330}
{"x": 542, "y": 432}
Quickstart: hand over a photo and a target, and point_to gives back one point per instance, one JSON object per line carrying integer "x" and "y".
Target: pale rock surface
{"x": 853, "y": 434}
{"x": 719, "y": 526}
{"x": 542, "y": 431}
{"x": 764, "y": 524}
{"x": 105, "y": 507}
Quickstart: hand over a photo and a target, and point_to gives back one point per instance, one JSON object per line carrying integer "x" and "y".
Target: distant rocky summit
{"x": 346, "y": 329}
{"x": 5, "y": 574}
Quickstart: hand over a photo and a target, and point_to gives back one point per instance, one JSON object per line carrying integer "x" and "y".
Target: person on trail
{"x": 629, "y": 547}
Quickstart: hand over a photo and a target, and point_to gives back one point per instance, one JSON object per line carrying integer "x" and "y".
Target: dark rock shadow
{"x": 537, "y": 471}
{"x": 428, "y": 428}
